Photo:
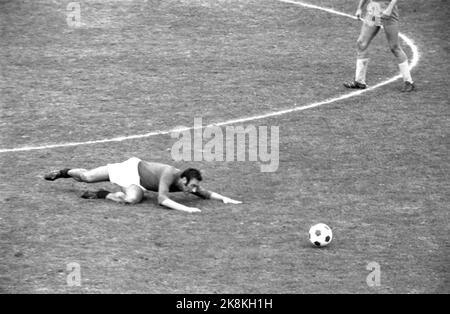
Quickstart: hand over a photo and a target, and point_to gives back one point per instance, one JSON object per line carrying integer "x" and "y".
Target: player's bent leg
{"x": 392, "y": 36}
{"x": 82, "y": 175}
{"x": 130, "y": 195}
{"x": 368, "y": 33}
{"x": 99, "y": 174}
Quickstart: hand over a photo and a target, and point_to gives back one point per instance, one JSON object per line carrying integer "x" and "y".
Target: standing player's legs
{"x": 368, "y": 33}
{"x": 392, "y": 31}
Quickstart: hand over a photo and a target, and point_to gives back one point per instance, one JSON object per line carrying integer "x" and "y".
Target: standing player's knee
{"x": 361, "y": 45}
{"x": 396, "y": 50}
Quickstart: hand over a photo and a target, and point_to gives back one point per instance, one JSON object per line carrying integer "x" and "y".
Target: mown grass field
{"x": 375, "y": 168}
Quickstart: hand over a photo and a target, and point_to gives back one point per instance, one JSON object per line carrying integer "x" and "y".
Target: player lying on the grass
{"x": 135, "y": 176}
{"x": 379, "y": 13}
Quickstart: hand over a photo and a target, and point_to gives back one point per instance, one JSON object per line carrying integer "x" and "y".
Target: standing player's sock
{"x": 361, "y": 70}
{"x": 404, "y": 70}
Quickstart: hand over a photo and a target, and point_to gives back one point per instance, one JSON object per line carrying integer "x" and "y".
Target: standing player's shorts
{"x": 374, "y": 14}
{"x": 126, "y": 173}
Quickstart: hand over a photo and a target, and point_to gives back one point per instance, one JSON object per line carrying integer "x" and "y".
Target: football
{"x": 320, "y": 235}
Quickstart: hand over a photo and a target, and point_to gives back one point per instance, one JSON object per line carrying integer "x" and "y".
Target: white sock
{"x": 404, "y": 70}
{"x": 361, "y": 70}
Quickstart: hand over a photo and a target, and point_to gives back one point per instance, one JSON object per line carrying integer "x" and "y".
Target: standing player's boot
{"x": 406, "y": 73}
{"x": 408, "y": 87}
{"x": 355, "y": 85}
{"x": 57, "y": 174}
{"x": 360, "y": 75}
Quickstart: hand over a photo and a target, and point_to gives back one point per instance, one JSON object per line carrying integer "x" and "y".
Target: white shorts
{"x": 125, "y": 173}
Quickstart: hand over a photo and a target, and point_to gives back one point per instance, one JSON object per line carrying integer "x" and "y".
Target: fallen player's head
{"x": 191, "y": 179}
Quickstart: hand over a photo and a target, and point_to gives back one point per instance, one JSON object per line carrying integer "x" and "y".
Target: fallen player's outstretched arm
{"x": 226, "y": 200}
{"x": 177, "y": 206}
{"x": 215, "y": 196}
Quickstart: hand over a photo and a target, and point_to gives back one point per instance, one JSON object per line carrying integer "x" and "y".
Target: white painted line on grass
{"x": 413, "y": 63}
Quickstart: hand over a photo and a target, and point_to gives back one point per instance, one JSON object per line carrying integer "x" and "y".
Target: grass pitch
{"x": 375, "y": 168}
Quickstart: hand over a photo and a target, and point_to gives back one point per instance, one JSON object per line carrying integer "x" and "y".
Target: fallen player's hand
{"x": 227, "y": 200}
{"x": 193, "y": 210}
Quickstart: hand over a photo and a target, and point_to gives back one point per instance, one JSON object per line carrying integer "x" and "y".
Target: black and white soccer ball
{"x": 320, "y": 235}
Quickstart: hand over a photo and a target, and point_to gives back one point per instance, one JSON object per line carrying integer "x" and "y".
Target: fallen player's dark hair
{"x": 191, "y": 173}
